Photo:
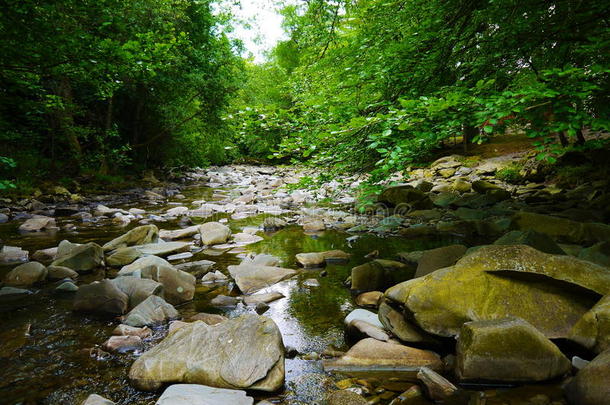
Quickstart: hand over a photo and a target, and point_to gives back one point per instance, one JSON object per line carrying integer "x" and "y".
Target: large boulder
{"x": 508, "y": 349}
{"x": 140, "y": 235}
{"x": 503, "y": 281}
{"x": 81, "y": 258}
{"x": 525, "y": 259}
{"x": 137, "y": 289}
{"x": 214, "y": 233}
{"x": 195, "y": 394}
{"x": 101, "y": 297}
{"x": 537, "y": 240}
{"x": 251, "y": 277}
{"x": 178, "y": 285}
{"x": 438, "y": 258}
{"x": 562, "y": 228}
{"x": 152, "y": 311}
{"x": 241, "y": 353}
{"x": 593, "y": 329}
{"x": 379, "y": 274}
{"x": 26, "y": 275}
{"x": 590, "y": 386}
{"x": 406, "y": 194}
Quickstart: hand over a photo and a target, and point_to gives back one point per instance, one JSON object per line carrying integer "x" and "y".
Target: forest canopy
{"x": 371, "y": 85}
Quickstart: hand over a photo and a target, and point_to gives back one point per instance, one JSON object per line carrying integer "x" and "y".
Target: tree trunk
{"x": 468, "y": 133}
{"x": 580, "y": 137}
{"x": 562, "y": 139}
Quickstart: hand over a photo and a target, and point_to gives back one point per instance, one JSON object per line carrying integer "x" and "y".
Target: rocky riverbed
{"x": 234, "y": 285}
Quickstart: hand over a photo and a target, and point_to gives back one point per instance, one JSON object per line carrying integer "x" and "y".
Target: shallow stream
{"x": 57, "y": 365}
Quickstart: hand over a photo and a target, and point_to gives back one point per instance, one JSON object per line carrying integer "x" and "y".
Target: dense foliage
{"x": 376, "y": 85}
{"x": 107, "y": 85}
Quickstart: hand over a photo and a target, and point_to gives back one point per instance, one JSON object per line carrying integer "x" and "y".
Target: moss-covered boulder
{"x": 503, "y": 281}
{"x": 593, "y": 329}
{"x": 537, "y": 240}
{"x": 438, "y": 258}
{"x": 405, "y": 194}
{"x": 508, "y": 349}
{"x": 598, "y": 253}
{"x": 590, "y": 386}
{"x": 561, "y": 228}
{"x": 379, "y": 274}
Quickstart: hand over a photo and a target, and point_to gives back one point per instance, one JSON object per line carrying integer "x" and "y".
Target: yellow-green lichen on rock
{"x": 487, "y": 285}
{"x": 508, "y": 349}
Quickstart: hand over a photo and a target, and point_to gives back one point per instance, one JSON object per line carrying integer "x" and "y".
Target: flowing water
{"x": 59, "y": 364}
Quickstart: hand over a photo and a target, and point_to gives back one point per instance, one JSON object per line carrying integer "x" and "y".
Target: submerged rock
{"x": 195, "y": 394}
{"x": 262, "y": 298}
{"x": 345, "y": 397}
{"x": 503, "y": 281}
{"x": 240, "y": 353}
{"x": 102, "y": 297}
{"x": 26, "y": 274}
{"x": 153, "y": 310}
{"x": 273, "y": 224}
{"x": 508, "y": 349}
{"x": 310, "y": 260}
{"x": 251, "y": 278}
{"x": 590, "y": 386}
{"x": 140, "y": 235}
